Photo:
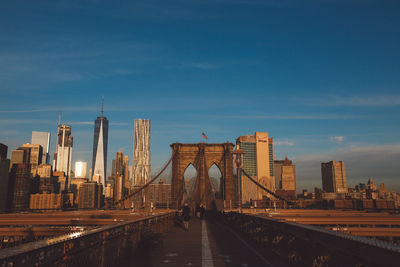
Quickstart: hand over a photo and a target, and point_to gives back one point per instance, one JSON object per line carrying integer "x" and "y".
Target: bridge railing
{"x": 295, "y": 244}
{"x": 103, "y": 246}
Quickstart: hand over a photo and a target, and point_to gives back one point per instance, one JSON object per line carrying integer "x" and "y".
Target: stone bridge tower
{"x": 202, "y": 156}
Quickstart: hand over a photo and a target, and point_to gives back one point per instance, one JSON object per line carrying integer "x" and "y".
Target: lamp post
{"x": 239, "y": 165}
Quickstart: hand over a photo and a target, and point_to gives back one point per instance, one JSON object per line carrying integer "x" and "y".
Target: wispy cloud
{"x": 26, "y": 121}
{"x": 120, "y": 124}
{"x": 356, "y": 101}
{"x": 59, "y": 109}
{"x": 8, "y": 132}
{"x": 284, "y": 143}
{"x": 162, "y": 104}
{"x": 79, "y": 122}
{"x": 91, "y": 123}
{"x": 124, "y": 72}
{"x": 337, "y": 139}
{"x": 296, "y": 117}
{"x": 205, "y": 66}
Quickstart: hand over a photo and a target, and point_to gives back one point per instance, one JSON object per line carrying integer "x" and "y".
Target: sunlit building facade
{"x": 285, "y": 175}
{"x": 80, "y": 169}
{"x": 35, "y": 155}
{"x": 43, "y": 139}
{"x": 334, "y": 177}
{"x": 63, "y": 155}
{"x": 141, "y": 153}
{"x": 258, "y": 162}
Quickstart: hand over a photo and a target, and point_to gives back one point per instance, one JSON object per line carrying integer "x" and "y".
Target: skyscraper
{"x": 285, "y": 174}
{"x": 4, "y": 180}
{"x": 80, "y": 169}
{"x": 35, "y": 155}
{"x": 258, "y": 162}
{"x": 121, "y": 177}
{"x": 141, "y": 153}
{"x": 43, "y": 139}
{"x": 63, "y": 155}
{"x": 3, "y": 151}
{"x": 334, "y": 177}
{"x": 19, "y": 187}
{"x": 90, "y": 195}
{"x": 100, "y": 141}
{"x": 18, "y": 156}
{"x": 126, "y": 173}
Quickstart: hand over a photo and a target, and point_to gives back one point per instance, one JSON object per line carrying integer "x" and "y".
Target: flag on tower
{"x": 204, "y": 136}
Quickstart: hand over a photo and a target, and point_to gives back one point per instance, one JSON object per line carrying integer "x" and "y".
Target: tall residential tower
{"x": 141, "y": 153}
{"x": 100, "y": 142}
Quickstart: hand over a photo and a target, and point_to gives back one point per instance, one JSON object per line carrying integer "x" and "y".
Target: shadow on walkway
{"x": 189, "y": 248}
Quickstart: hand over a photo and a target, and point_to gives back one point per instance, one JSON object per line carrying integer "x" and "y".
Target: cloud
{"x": 124, "y": 72}
{"x": 284, "y": 143}
{"x": 356, "y": 101}
{"x": 58, "y": 109}
{"x": 337, "y": 139}
{"x": 205, "y": 66}
{"x": 80, "y": 123}
{"x": 120, "y": 123}
{"x": 295, "y": 117}
{"x": 9, "y": 132}
{"x": 26, "y": 121}
{"x": 379, "y": 162}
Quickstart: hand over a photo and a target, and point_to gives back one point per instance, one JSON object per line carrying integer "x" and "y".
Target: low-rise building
{"x": 90, "y": 195}
{"x": 45, "y": 201}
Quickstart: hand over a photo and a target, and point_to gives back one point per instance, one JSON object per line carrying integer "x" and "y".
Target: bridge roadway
{"x": 19, "y": 228}
{"x": 206, "y": 243}
{"x": 224, "y": 239}
{"x": 360, "y": 223}
{"x": 73, "y": 218}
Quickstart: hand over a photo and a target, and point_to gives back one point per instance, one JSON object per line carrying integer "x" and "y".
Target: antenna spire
{"x": 59, "y": 119}
{"x": 102, "y": 105}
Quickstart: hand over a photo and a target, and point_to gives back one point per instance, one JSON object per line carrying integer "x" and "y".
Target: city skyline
{"x": 324, "y": 91}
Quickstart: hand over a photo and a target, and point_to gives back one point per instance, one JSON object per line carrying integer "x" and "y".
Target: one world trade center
{"x": 99, "y": 163}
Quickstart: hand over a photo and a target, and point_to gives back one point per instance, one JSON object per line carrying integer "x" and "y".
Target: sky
{"x": 322, "y": 77}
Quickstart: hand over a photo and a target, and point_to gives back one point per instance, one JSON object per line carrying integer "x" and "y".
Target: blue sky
{"x": 322, "y": 77}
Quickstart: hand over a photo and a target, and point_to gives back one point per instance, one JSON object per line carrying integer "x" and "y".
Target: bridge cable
{"x": 265, "y": 189}
{"x": 147, "y": 184}
{"x": 207, "y": 180}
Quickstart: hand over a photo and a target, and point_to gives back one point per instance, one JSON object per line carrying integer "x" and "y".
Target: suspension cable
{"x": 265, "y": 189}
{"x": 147, "y": 184}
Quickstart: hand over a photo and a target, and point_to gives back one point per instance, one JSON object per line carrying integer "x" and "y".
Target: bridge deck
{"x": 205, "y": 244}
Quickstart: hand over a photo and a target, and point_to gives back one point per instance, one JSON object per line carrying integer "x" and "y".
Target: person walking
{"x": 197, "y": 211}
{"x": 202, "y": 211}
{"x": 186, "y": 216}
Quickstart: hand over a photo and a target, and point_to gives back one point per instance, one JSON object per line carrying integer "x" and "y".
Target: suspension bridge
{"x": 228, "y": 236}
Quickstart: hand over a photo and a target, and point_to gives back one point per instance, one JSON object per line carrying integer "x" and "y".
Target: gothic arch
{"x": 203, "y": 156}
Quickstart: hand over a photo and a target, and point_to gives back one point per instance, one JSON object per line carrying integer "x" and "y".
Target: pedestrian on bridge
{"x": 197, "y": 211}
{"x": 186, "y": 216}
{"x": 202, "y": 210}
